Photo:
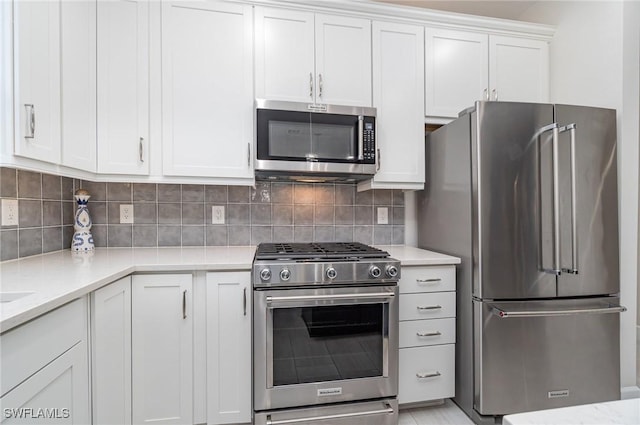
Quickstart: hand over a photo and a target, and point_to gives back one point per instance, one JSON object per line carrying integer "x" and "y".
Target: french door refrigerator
{"x": 526, "y": 195}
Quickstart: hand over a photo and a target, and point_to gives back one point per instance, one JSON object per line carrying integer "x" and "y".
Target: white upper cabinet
{"x": 398, "y": 96}
{"x": 457, "y": 70}
{"x": 518, "y": 69}
{"x": 463, "y": 67}
{"x": 123, "y": 87}
{"x": 78, "y": 84}
{"x": 207, "y": 90}
{"x": 37, "y": 80}
{"x": 307, "y": 57}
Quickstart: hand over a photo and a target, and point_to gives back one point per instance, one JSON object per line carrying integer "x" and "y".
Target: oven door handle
{"x": 375, "y": 295}
{"x": 387, "y": 410}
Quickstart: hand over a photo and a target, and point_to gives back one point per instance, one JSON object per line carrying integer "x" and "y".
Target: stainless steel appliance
{"x": 325, "y": 334}
{"x": 317, "y": 140}
{"x": 526, "y": 195}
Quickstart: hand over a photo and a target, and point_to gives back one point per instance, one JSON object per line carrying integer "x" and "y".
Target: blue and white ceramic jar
{"x": 82, "y": 238}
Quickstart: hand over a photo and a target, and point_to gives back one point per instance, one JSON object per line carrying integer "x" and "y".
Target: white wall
{"x": 595, "y": 60}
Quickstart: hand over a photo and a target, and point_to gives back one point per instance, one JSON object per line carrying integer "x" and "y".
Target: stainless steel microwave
{"x": 315, "y": 141}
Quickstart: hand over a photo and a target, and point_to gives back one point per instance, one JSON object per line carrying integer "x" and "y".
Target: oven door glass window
{"x": 328, "y": 343}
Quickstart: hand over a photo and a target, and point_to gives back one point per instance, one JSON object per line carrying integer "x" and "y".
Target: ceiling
{"x": 511, "y": 9}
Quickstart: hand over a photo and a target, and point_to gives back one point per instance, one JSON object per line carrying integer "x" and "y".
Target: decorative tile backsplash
{"x": 181, "y": 215}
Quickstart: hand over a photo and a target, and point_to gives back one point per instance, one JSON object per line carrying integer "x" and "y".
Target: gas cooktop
{"x": 315, "y": 250}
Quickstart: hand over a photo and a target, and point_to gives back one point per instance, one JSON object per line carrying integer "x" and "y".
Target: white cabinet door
{"x": 518, "y": 69}
{"x": 229, "y": 347}
{"x": 398, "y": 96}
{"x": 285, "y": 60}
{"x": 57, "y": 394}
{"x": 207, "y": 89}
{"x": 343, "y": 60}
{"x": 162, "y": 346}
{"x": 78, "y": 84}
{"x": 37, "y": 80}
{"x": 456, "y": 71}
{"x": 123, "y": 87}
{"x": 111, "y": 353}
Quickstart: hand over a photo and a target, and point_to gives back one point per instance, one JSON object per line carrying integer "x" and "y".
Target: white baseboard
{"x": 629, "y": 392}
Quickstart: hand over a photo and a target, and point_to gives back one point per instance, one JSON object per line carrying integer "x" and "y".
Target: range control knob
{"x": 265, "y": 274}
{"x": 392, "y": 271}
{"x": 331, "y": 273}
{"x": 375, "y": 272}
{"x": 285, "y": 274}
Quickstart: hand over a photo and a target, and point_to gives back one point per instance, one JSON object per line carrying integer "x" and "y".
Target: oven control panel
{"x": 309, "y": 273}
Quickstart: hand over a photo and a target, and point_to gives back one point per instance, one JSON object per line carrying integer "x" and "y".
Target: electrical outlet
{"x": 126, "y": 213}
{"x": 217, "y": 214}
{"x": 9, "y": 212}
{"x": 383, "y": 215}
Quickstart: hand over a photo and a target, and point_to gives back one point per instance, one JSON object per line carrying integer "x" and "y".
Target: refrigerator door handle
{"x": 556, "y": 268}
{"x": 504, "y": 314}
{"x": 571, "y": 128}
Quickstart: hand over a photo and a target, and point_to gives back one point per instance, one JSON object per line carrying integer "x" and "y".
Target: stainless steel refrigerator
{"x": 526, "y": 195}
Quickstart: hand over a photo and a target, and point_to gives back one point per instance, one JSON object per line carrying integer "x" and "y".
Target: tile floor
{"x": 445, "y": 414}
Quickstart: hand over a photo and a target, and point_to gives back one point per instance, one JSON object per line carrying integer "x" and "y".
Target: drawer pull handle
{"x": 423, "y": 375}
{"x": 434, "y": 280}
{"x": 421, "y": 334}
{"x": 429, "y": 307}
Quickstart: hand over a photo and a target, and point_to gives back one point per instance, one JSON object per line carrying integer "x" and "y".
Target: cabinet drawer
{"x": 435, "y": 305}
{"x": 426, "y": 373}
{"x": 427, "y": 279}
{"x": 417, "y": 333}
{"x": 28, "y": 348}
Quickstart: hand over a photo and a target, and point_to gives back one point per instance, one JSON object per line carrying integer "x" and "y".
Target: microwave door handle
{"x": 360, "y": 138}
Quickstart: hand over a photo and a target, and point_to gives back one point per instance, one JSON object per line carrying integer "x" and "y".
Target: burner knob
{"x": 285, "y": 274}
{"x": 392, "y": 271}
{"x": 375, "y": 272}
{"x": 331, "y": 273}
{"x": 265, "y": 274}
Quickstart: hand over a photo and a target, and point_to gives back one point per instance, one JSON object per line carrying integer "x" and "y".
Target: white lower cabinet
{"x": 162, "y": 349}
{"x": 111, "y": 353}
{"x": 228, "y": 347}
{"x": 427, "y": 334}
{"x": 45, "y": 372}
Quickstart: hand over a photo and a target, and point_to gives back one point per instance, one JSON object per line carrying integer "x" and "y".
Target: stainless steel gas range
{"x": 325, "y": 334}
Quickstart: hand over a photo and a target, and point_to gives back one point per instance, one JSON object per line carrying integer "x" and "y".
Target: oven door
{"x": 324, "y": 345}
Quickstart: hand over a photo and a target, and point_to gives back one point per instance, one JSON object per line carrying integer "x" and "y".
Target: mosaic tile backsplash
{"x": 181, "y": 215}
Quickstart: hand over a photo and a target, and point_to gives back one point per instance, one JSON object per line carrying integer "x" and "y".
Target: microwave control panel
{"x": 369, "y": 141}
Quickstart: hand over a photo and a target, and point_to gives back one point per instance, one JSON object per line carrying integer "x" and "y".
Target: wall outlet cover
{"x": 126, "y": 213}
{"x": 383, "y": 215}
{"x": 217, "y": 214}
{"x": 10, "y": 212}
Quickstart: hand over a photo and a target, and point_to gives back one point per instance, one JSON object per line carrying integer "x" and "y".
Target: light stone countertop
{"x": 625, "y": 412}
{"x": 59, "y": 277}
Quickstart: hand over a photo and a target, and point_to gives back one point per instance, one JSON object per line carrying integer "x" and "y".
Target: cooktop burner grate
{"x": 328, "y": 250}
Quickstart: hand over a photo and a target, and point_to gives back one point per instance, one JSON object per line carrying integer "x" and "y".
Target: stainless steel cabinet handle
{"x": 423, "y": 375}
{"x": 429, "y": 307}
{"x": 495, "y": 94}
{"x": 311, "y": 85}
{"x": 360, "y": 137}
{"x": 433, "y": 333}
{"x": 387, "y": 410}
{"x": 248, "y": 154}
{"x": 184, "y": 304}
{"x": 542, "y": 313}
{"x": 320, "y": 85}
{"x": 31, "y": 121}
{"x": 244, "y": 300}
{"x": 379, "y": 159}
{"x": 571, "y": 128}
{"x": 434, "y": 280}
{"x": 141, "y": 150}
